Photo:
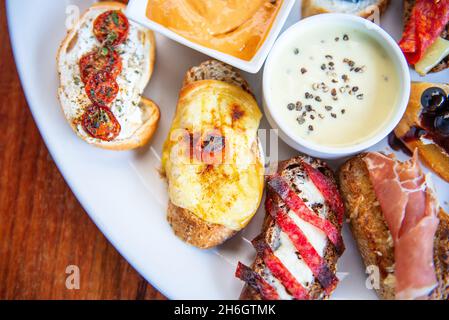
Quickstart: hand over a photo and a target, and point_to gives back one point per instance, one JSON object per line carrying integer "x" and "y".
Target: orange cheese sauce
{"x": 234, "y": 27}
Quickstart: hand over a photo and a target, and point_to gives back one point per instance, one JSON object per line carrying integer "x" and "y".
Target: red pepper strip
{"x": 295, "y": 203}
{"x": 427, "y": 21}
{"x": 317, "y": 265}
{"x": 256, "y": 281}
{"x": 278, "y": 270}
{"x": 328, "y": 189}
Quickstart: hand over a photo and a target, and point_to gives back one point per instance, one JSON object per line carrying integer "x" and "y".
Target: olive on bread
{"x": 425, "y": 126}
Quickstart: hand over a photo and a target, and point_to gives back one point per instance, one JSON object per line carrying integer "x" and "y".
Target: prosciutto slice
{"x": 409, "y": 207}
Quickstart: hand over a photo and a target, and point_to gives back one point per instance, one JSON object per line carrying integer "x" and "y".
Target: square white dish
{"x": 136, "y": 11}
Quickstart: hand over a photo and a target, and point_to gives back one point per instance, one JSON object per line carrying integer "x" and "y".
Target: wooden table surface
{"x": 43, "y": 228}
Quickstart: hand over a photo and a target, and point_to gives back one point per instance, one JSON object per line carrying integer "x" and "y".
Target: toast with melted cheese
{"x": 138, "y": 116}
{"x": 211, "y": 198}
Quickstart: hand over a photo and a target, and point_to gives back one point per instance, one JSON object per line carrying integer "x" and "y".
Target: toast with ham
{"x": 301, "y": 241}
{"x": 398, "y": 226}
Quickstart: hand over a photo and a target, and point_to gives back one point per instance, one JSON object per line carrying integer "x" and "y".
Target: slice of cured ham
{"x": 427, "y": 21}
{"x": 410, "y": 211}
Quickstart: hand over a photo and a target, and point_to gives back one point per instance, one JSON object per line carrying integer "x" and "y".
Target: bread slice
{"x": 431, "y": 154}
{"x": 373, "y": 236}
{"x": 70, "y": 100}
{"x": 408, "y": 7}
{"x": 185, "y": 224}
{"x": 216, "y": 70}
{"x": 363, "y": 8}
{"x": 289, "y": 170}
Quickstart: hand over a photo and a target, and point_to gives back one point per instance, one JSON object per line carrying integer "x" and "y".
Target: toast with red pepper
{"x": 427, "y": 21}
{"x": 300, "y": 243}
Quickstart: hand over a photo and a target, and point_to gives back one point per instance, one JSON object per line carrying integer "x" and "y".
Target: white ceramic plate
{"x": 122, "y": 192}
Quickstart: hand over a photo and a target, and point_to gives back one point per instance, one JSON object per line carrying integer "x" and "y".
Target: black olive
{"x": 442, "y": 124}
{"x": 433, "y": 98}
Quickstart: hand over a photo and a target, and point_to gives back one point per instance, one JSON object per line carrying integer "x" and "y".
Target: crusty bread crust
{"x": 194, "y": 230}
{"x": 309, "y": 9}
{"x": 270, "y": 231}
{"x": 185, "y": 224}
{"x": 408, "y": 7}
{"x": 143, "y": 135}
{"x": 373, "y": 237}
{"x": 216, "y": 70}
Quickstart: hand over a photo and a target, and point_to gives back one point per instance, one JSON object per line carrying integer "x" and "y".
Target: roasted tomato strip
{"x": 101, "y": 88}
{"x": 258, "y": 283}
{"x": 316, "y": 263}
{"x": 280, "y": 271}
{"x": 328, "y": 189}
{"x": 100, "y": 59}
{"x": 111, "y": 28}
{"x": 99, "y": 122}
{"x": 210, "y": 147}
{"x": 296, "y": 204}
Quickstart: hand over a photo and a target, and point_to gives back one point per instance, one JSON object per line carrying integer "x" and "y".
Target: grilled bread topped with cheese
{"x": 363, "y": 8}
{"x": 301, "y": 240}
{"x": 104, "y": 65}
{"x": 212, "y": 157}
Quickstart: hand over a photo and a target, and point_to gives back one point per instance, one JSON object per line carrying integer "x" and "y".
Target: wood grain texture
{"x": 43, "y": 228}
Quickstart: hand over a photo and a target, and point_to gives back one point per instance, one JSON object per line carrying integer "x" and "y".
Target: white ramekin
{"x": 136, "y": 11}
{"x": 383, "y": 38}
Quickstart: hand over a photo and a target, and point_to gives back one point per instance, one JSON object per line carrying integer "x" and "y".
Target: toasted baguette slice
{"x": 363, "y": 8}
{"x": 78, "y": 41}
{"x": 408, "y": 7}
{"x": 373, "y": 236}
{"x": 433, "y": 156}
{"x": 291, "y": 170}
{"x": 185, "y": 224}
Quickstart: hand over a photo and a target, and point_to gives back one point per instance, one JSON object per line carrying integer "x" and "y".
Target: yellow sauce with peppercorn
{"x": 234, "y": 27}
{"x": 336, "y": 88}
